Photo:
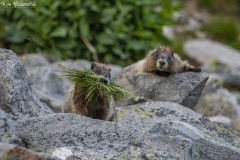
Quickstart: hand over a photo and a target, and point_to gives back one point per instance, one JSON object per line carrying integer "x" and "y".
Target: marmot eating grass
{"x": 98, "y": 107}
{"x": 161, "y": 61}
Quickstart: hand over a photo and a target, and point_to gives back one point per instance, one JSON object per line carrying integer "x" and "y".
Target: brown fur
{"x": 151, "y": 64}
{"x": 177, "y": 65}
{"x": 99, "y": 107}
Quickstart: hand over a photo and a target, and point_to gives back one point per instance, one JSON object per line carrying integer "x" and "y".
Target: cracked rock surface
{"x": 183, "y": 88}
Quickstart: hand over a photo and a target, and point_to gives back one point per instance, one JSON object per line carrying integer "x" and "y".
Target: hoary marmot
{"x": 99, "y": 107}
{"x": 161, "y": 61}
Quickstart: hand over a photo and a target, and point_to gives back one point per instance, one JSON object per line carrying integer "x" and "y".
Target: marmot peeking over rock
{"x": 99, "y": 107}
{"x": 161, "y": 61}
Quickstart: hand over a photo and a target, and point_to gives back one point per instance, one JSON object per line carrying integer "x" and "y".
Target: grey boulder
{"x": 165, "y": 118}
{"x": 8, "y": 129}
{"x": 225, "y": 121}
{"x": 111, "y": 139}
{"x": 229, "y": 76}
{"x": 218, "y": 101}
{"x": 206, "y": 50}
{"x": 16, "y": 93}
{"x": 183, "y": 88}
{"x": 49, "y": 87}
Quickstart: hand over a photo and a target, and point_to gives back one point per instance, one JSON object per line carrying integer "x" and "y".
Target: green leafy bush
{"x": 121, "y": 31}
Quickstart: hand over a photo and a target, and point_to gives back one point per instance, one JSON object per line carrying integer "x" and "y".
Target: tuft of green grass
{"x": 90, "y": 84}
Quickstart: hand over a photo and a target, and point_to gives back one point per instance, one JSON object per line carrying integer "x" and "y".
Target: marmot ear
{"x": 93, "y": 65}
{"x": 158, "y": 51}
{"x": 172, "y": 53}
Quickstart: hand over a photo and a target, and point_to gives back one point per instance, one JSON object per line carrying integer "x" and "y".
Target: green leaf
{"x": 45, "y": 29}
{"x": 54, "y": 6}
{"x": 84, "y": 27}
{"x": 15, "y": 37}
{"x": 28, "y": 12}
{"x": 104, "y": 39}
{"x": 107, "y": 15}
{"x": 143, "y": 34}
{"x": 73, "y": 33}
{"x": 66, "y": 43}
{"x": 59, "y": 32}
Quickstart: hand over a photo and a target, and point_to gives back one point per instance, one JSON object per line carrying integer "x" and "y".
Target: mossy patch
{"x": 121, "y": 114}
{"x": 5, "y": 156}
{"x": 150, "y": 155}
{"x": 215, "y": 66}
{"x": 4, "y": 55}
{"x": 229, "y": 131}
{"x": 5, "y": 135}
{"x": 196, "y": 154}
{"x": 50, "y": 150}
{"x": 10, "y": 82}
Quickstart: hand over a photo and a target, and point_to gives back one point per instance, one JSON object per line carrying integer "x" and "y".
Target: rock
{"x": 115, "y": 70}
{"x": 17, "y": 96}
{"x": 111, "y": 139}
{"x": 50, "y": 88}
{"x": 8, "y": 129}
{"x": 165, "y": 118}
{"x": 34, "y": 60}
{"x": 180, "y": 17}
{"x": 75, "y": 153}
{"x": 13, "y": 152}
{"x": 193, "y": 24}
{"x": 168, "y": 32}
{"x": 225, "y": 121}
{"x": 207, "y": 50}
{"x": 183, "y": 88}
{"x": 171, "y": 131}
{"x": 229, "y": 76}
{"x": 218, "y": 101}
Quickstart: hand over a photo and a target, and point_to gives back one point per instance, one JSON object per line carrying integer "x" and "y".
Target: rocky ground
{"x": 161, "y": 125}
{"x": 220, "y": 101}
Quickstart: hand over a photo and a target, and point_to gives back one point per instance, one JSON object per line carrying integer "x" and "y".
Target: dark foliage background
{"x": 121, "y": 31}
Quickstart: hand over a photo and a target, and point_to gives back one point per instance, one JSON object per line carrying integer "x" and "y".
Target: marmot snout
{"x": 102, "y": 71}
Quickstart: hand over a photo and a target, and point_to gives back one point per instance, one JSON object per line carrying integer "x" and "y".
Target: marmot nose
{"x": 104, "y": 80}
{"x": 162, "y": 63}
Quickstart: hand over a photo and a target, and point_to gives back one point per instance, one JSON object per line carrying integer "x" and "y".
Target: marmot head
{"x": 102, "y": 71}
{"x": 164, "y": 58}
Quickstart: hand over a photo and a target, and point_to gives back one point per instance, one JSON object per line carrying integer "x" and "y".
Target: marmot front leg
{"x": 188, "y": 68}
{"x": 194, "y": 70}
{"x": 163, "y": 73}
